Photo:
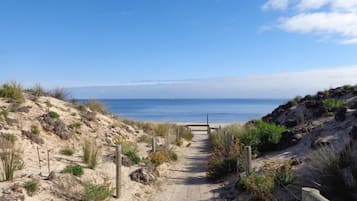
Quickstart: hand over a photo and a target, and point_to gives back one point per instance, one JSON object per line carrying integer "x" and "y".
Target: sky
{"x": 162, "y": 48}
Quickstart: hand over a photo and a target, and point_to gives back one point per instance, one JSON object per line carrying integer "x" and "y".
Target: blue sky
{"x": 73, "y": 43}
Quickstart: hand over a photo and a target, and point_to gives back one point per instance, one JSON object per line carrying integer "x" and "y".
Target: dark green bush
{"x": 133, "y": 156}
{"x": 53, "y": 115}
{"x": 12, "y": 91}
{"x": 331, "y": 105}
{"x": 74, "y": 126}
{"x": 263, "y": 137}
{"x": 220, "y": 167}
{"x": 35, "y": 130}
{"x": 67, "y": 151}
{"x": 75, "y": 170}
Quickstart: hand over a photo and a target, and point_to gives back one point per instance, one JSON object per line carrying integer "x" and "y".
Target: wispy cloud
{"x": 336, "y": 19}
{"x": 279, "y": 85}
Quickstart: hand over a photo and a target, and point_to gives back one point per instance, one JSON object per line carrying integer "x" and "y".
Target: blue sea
{"x": 192, "y": 110}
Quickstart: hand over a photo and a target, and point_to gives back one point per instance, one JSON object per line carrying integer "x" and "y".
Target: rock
{"x": 126, "y": 161}
{"x": 354, "y": 114}
{"x": 348, "y": 178}
{"x": 290, "y": 123}
{"x": 288, "y": 139}
{"x": 56, "y": 126}
{"x": 320, "y": 142}
{"x": 33, "y": 137}
{"x": 340, "y": 114}
{"x": 296, "y": 161}
{"x": 24, "y": 109}
{"x": 90, "y": 116}
{"x": 142, "y": 175}
{"x": 353, "y": 132}
{"x": 353, "y": 105}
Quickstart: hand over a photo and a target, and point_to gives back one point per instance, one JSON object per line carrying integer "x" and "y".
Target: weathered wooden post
{"x": 248, "y": 160}
{"x": 153, "y": 144}
{"x": 167, "y": 142}
{"x": 118, "y": 170}
{"x": 39, "y": 159}
{"x": 48, "y": 161}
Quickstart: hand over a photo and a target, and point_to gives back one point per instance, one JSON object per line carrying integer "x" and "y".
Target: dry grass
{"x": 90, "y": 153}
{"x": 12, "y": 91}
{"x": 96, "y": 106}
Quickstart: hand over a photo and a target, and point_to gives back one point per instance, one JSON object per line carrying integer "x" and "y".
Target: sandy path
{"x": 186, "y": 180}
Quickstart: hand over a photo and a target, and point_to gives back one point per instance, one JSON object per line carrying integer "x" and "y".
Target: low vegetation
{"x": 331, "y": 104}
{"x": 75, "y": 170}
{"x": 74, "y": 126}
{"x": 260, "y": 187}
{"x": 12, "y": 91}
{"x": 10, "y": 159}
{"x": 53, "y": 115}
{"x": 96, "y": 106}
{"x": 8, "y": 137}
{"x": 130, "y": 149}
{"x": 90, "y": 153}
{"x": 67, "y": 151}
{"x": 31, "y": 186}
{"x": 35, "y": 130}
{"x": 97, "y": 192}
{"x": 59, "y": 93}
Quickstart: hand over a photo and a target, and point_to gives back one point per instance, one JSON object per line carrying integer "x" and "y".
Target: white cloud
{"x": 276, "y": 5}
{"x": 336, "y": 19}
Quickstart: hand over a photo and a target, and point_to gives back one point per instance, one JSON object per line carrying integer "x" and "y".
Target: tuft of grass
{"x": 220, "y": 167}
{"x": 162, "y": 129}
{"x": 285, "y": 176}
{"x": 67, "y": 151}
{"x": 263, "y": 137}
{"x": 130, "y": 149}
{"x": 75, "y": 170}
{"x": 37, "y": 90}
{"x": 8, "y": 137}
{"x": 10, "y": 159}
{"x": 145, "y": 138}
{"x": 159, "y": 157}
{"x": 96, "y": 106}
{"x": 35, "y": 130}
{"x": 97, "y": 192}
{"x": 53, "y": 115}
{"x": 31, "y": 186}
{"x": 74, "y": 126}
{"x": 90, "y": 153}
{"x": 331, "y": 104}
{"x": 12, "y": 91}
{"x": 172, "y": 155}
{"x": 260, "y": 187}
{"x": 133, "y": 157}
{"x": 59, "y": 93}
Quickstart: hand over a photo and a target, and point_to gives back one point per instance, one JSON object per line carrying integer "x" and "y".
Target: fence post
{"x": 311, "y": 194}
{"x": 153, "y": 144}
{"x": 118, "y": 171}
{"x": 39, "y": 159}
{"x": 48, "y": 161}
{"x": 248, "y": 160}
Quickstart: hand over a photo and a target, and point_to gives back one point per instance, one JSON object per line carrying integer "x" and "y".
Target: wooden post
{"x": 39, "y": 159}
{"x": 311, "y": 194}
{"x": 118, "y": 171}
{"x": 167, "y": 142}
{"x": 48, "y": 161}
{"x": 207, "y": 119}
{"x": 248, "y": 160}
{"x": 153, "y": 144}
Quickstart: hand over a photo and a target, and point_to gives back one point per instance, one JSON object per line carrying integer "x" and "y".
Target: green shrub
{"x": 263, "y": 137}
{"x": 75, "y": 170}
{"x": 10, "y": 160}
{"x": 172, "y": 155}
{"x": 31, "y": 186}
{"x": 159, "y": 157}
{"x": 35, "y": 130}
{"x": 74, "y": 126}
{"x": 12, "y": 91}
{"x": 285, "y": 176}
{"x": 97, "y": 192}
{"x": 9, "y": 137}
{"x": 133, "y": 156}
{"x": 67, "y": 151}
{"x": 220, "y": 167}
{"x": 53, "y": 115}
{"x": 90, "y": 153}
{"x": 187, "y": 135}
{"x": 96, "y": 106}
{"x": 260, "y": 187}
{"x": 162, "y": 129}
{"x": 130, "y": 149}
{"x": 331, "y": 105}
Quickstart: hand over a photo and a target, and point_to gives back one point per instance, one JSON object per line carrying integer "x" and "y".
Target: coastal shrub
{"x": 260, "y": 187}
{"x": 37, "y": 90}
{"x": 96, "y": 106}
{"x": 74, "y": 126}
{"x": 35, "y": 130}
{"x": 75, "y": 170}
{"x": 220, "y": 167}
{"x": 10, "y": 159}
{"x": 162, "y": 129}
{"x": 59, "y": 93}
{"x": 90, "y": 153}
{"x": 263, "y": 136}
{"x": 331, "y": 104}
{"x": 130, "y": 149}
{"x": 4, "y": 116}
{"x": 12, "y": 91}
{"x": 8, "y": 137}
{"x": 329, "y": 166}
{"x": 159, "y": 157}
{"x": 31, "y": 186}
{"x": 284, "y": 175}
{"x": 186, "y": 134}
{"x": 53, "y": 115}
{"x": 172, "y": 155}
{"x": 97, "y": 192}
{"x": 67, "y": 151}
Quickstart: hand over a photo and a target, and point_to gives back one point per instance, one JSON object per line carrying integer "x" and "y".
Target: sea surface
{"x": 192, "y": 110}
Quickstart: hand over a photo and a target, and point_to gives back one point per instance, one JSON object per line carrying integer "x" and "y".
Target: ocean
{"x": 192, "y": 110}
